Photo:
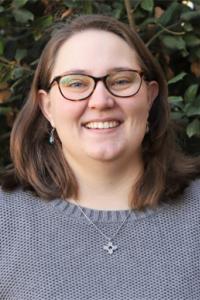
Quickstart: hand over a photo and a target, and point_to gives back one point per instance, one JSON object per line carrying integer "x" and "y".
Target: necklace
{"x": 110, "y": 247}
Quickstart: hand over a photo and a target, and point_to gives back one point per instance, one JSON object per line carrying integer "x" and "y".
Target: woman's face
{"x": 97, "y": 53}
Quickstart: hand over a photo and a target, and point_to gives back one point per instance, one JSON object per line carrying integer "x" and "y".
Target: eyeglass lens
{"x": 121, "y": 84}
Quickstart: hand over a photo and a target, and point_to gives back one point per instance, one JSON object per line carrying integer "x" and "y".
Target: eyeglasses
{"x": 76, "y": 87}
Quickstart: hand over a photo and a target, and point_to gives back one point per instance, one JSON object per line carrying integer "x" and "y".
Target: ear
{"x": 46, "y": 106}
{"x": 153, "y": 90}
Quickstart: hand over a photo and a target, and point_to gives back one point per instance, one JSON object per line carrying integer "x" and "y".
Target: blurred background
{"x": 170, "y": 29}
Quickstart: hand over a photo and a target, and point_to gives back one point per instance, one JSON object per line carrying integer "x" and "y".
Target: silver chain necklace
{"x": 110, "y": 247}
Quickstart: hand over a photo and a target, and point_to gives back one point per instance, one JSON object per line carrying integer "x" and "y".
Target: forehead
{"x": 96, "y": 52}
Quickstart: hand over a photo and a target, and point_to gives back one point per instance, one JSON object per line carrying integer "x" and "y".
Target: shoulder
{"x": 188, "y": 202}
{"x": 9, "y": 197}
{"x": 22, "y": 211}
{"x": 18, "y": 202}
{"x": 192, "y": 192}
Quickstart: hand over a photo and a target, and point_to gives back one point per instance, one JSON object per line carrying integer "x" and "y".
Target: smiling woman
{"x": 112, "y": 94}
{"x": 95, "y": 139}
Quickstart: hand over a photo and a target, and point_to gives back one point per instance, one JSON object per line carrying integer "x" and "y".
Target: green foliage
{"x": 169, "y": 28}
{"x": 147, "y": 5}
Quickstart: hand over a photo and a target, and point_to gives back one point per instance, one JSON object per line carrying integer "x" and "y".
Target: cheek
{"x": 137, "y": 111}
{"x": 137, "y": 107}
{"x": 66, "y": 111}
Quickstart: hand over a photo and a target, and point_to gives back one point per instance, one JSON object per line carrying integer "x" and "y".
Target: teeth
{"x": 102, "y": 125}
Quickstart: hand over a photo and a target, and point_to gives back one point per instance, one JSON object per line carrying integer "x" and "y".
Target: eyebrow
{"x": 87, "y": 72}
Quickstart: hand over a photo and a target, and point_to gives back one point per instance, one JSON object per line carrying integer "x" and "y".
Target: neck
{"x": 106, "y": 185}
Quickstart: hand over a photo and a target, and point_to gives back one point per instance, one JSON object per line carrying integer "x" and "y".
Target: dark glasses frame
{"x": 96, "y": 80}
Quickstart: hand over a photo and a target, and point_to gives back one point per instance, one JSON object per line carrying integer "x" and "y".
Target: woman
{"x": 95, "y": 140}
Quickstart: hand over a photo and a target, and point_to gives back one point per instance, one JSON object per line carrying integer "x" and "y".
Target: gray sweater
{"x": 49, "y": 250}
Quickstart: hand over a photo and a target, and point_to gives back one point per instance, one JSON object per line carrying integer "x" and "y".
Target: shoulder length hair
{"x": 42, "y": 168}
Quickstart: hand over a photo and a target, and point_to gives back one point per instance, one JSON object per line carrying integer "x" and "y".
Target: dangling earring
{"x": 147, "y": 127}
{"x": 51, "y": 136}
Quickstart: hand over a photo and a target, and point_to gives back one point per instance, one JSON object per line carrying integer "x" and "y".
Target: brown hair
{"x": 42, "y": 168}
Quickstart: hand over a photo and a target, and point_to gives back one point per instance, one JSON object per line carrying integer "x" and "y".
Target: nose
{"x": 101, "y": 98}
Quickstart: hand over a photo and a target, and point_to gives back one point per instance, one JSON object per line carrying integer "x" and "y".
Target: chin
{"x": 105, "y": 154}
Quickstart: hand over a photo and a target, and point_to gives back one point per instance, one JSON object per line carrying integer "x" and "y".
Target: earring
{"x": 51, "y": 136}
{"x": 147, "y": 127}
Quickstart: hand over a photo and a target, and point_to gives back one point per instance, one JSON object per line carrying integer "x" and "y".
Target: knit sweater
{"x": 49, "y": 250}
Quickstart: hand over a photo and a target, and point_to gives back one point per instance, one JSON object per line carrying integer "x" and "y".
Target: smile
{"x": 102, "y": 125}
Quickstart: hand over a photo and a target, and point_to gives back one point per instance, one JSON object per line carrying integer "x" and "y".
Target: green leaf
{"x": 177, "y": 115}
{"x": 188, "y": 27}
{"x": 4, "y": 110}
{"x": 184, "y": 52}
{"x": 191, "y": 92}
{"x": 118, "y": 9}
{"x": 23, "y": 15}
{"x": 17, "y": 73}
{"x": 20, "y": 54}
{"x": 192, "y": 40}
{"x": 44, "y": 22}
{"x": 1, "y": 9}
{"x": 169, "y": 14}
{"x": 193, "y": 128}
{"x": 177, "y": 78}
{"x": 147, "y": 5}
{"x": 19, "y": 3}
{"x": 72, "y": 3}
{"x": 87, "y": 6}
{"x": 1, "y": 47}
{"x": 173, "y": 42}
{"x": 197, "y": 52}
{"x": 175, "y": 99}
{"x": 193, "y": 111}
{"x": 191, "y": 15}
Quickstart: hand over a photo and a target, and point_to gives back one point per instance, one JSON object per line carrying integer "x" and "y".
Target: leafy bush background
{"x": 171, "y": 29}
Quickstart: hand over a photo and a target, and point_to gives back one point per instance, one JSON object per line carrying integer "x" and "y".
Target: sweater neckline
{"x": 73, "y": 211}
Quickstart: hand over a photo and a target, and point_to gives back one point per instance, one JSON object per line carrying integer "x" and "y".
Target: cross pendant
{"x": 110, "y": 247}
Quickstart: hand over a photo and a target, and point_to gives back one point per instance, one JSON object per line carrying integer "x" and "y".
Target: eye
{"x": 121, "y": 81}
{"x": 76, "y": 84}
{"x": 71, "y": 82}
